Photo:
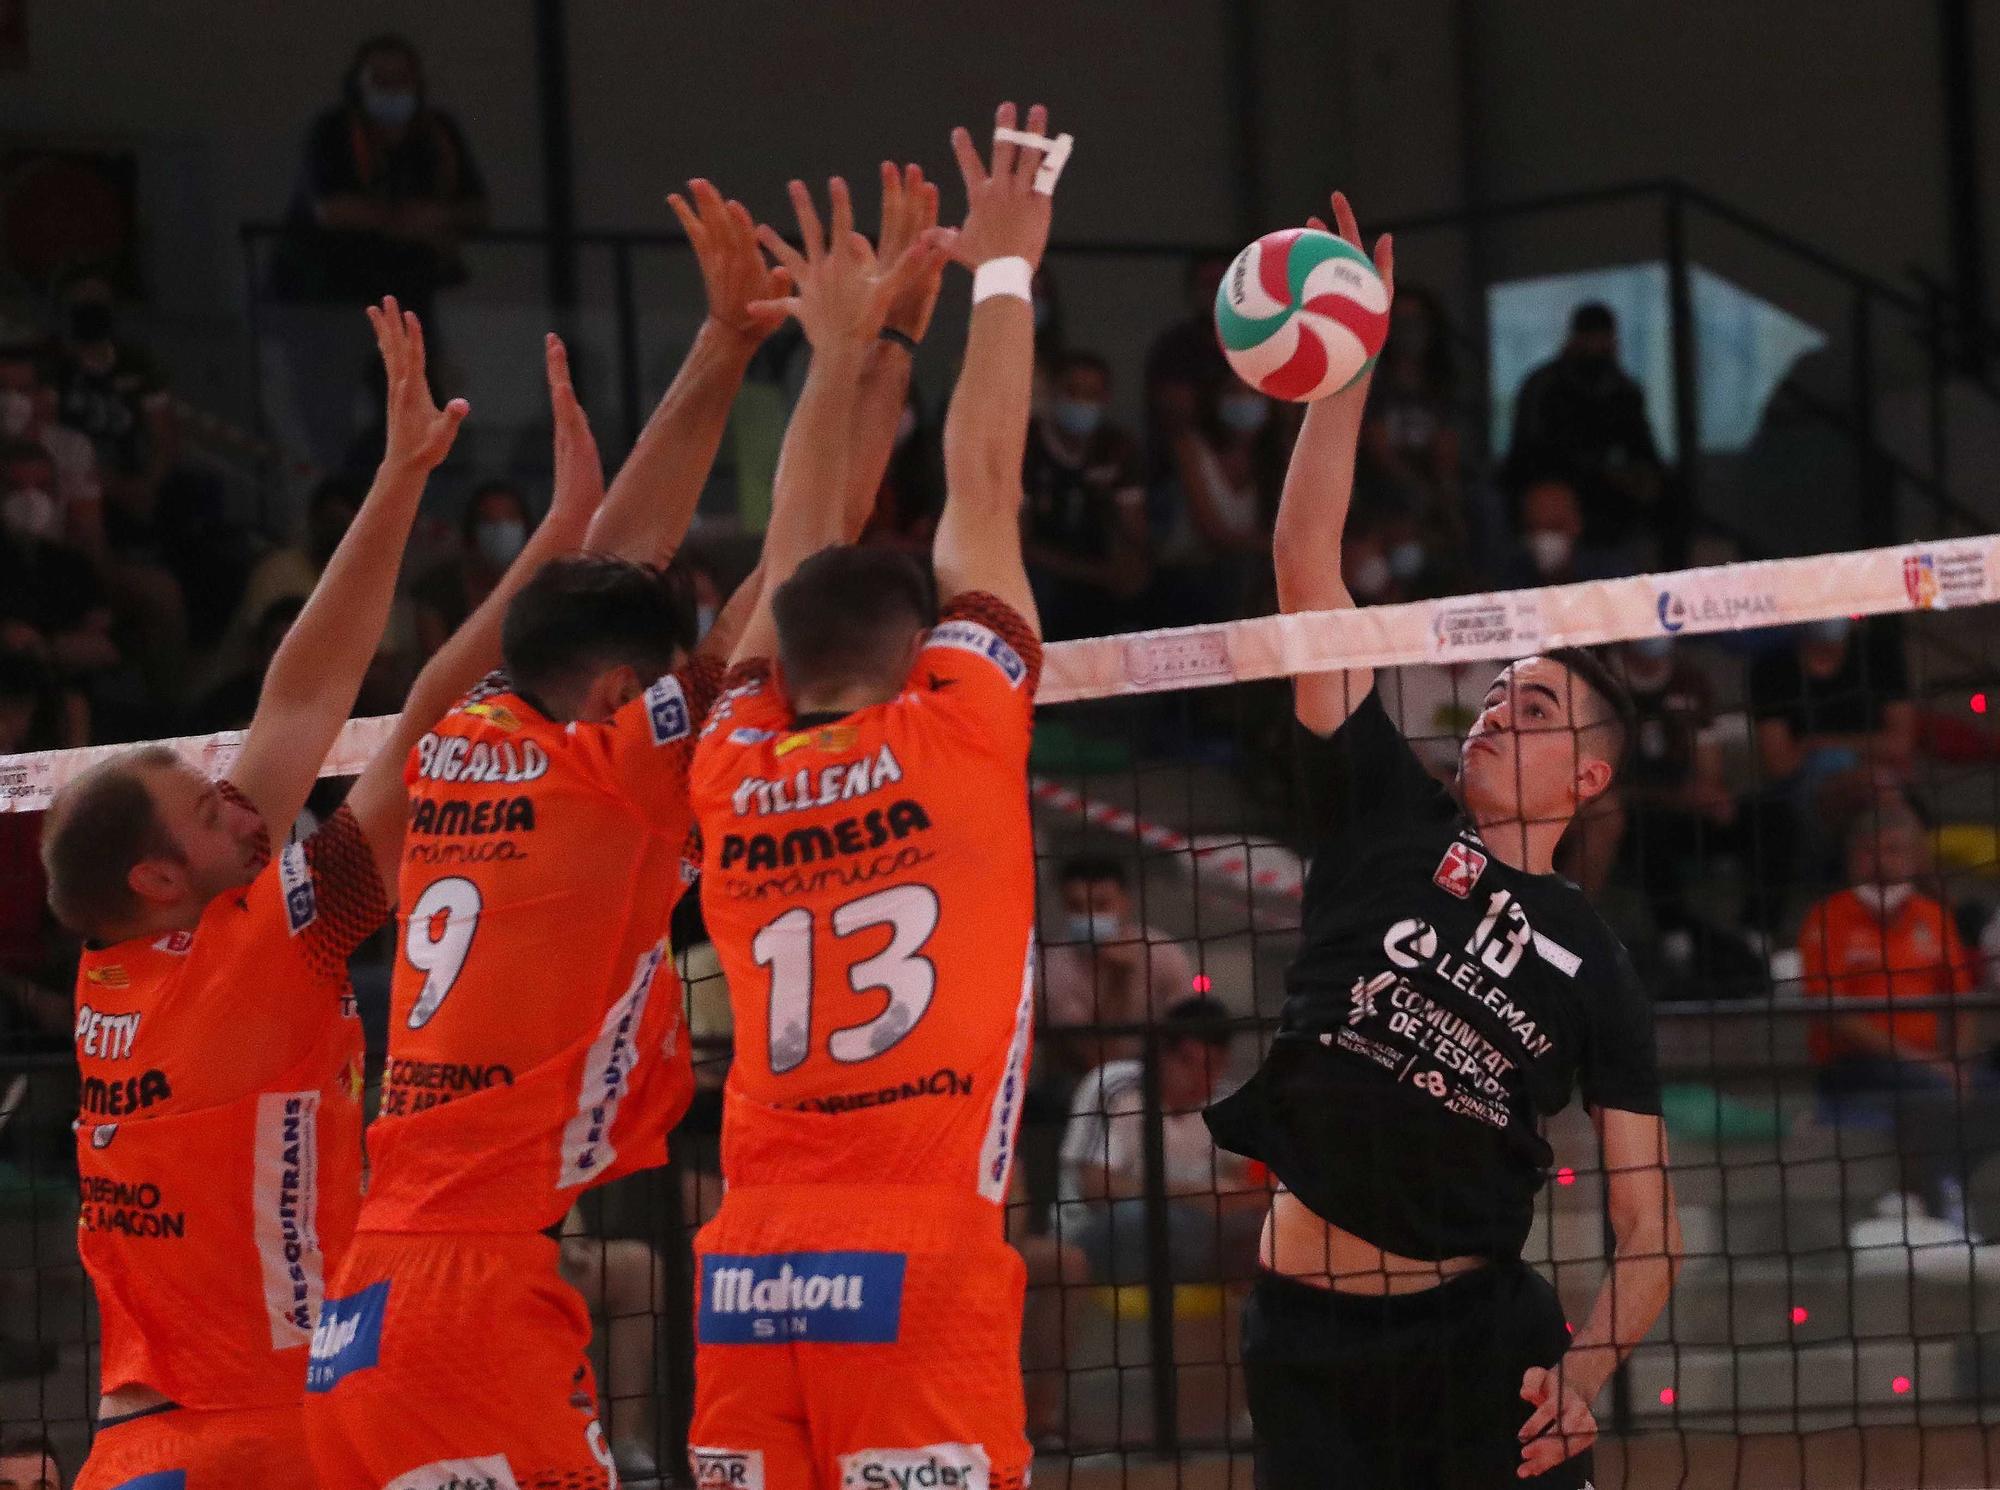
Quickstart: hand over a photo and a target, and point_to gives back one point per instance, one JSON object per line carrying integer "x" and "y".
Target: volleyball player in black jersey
{"x": 1450, "y": 994}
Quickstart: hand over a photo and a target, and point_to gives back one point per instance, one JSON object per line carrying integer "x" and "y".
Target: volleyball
{"x": 1301, "y": 314}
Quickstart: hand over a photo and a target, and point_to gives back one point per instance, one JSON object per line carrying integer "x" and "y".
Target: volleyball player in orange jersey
{"x": 868, "y": 880}
{"x": 219, "y": 1144}
{"x": 535, "y": 1044}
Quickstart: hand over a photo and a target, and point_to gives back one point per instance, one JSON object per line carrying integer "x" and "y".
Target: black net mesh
{"x": 1801, "y": 858}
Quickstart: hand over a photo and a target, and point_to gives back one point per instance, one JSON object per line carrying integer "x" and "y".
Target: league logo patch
{"x": 159, "y": 1479}
{"x": 1460, "y": 870}
{"x": 841, "y": 1298}
{"x": 295, "y": 879}
{"x": 348, "y": 1337}
{"x": 982, "y": 641}
{"x": 178, "y": 943}
{"x": 667, "y": 712}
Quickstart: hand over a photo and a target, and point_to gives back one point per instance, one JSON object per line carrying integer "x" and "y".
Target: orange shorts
{"x": 890, "y": 1356}
{"x": 453, "y": 1360}
{"x": 185, "y": 1448}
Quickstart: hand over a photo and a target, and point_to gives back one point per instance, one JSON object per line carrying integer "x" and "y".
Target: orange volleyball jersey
{"x": 219, "y": 1142}
{"x": 869, "y": 885}
{"x": 535, "y": 1041}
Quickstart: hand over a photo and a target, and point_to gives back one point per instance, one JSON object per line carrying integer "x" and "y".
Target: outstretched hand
{"x": 1560, "y": 1427}
{"x": 844, "y": 288}
{"x": 909, "y": 214}
{"x": 420, "y": 434}
{"x": 579, "y": 469}
{"x": 1348, "y": 228}
{"x": 739, "y": 283}
{"x": 1005, "y": 216}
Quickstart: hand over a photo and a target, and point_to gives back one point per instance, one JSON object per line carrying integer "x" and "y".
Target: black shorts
{"x": 1415, "y": 1391}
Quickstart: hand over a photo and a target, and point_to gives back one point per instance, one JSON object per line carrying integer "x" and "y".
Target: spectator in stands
{"x": 290, "y": 573}
{"x": 624, "y": 1283}
{"x": 154, "y": 535}
{"x": 1555, "y": 547}
{"x": 1674, "y": 808}
{"x": 29, "y": 406}
{"x": 1106, "y": 968}
{"x": 111, "y": 390}
{"x": 1582, "y": 418}
{"x": 1213, "y": 518}
{"x": 911, "y": 495}
{"x": 232, "y": 702}
{"x": 50, "y": 599}
{"x": 1185, "y": 365}
{"x": 1409, "y": 434}
{"x": 386, "y": 192}
{"x": 1085, "y": 519}
{"x": 1884, "y": 939}
{"x": 495, "y": 524}
{"x": 1834, "y": 725}
{"x": 1214, "y": 1212}
{"x": 1053, "y": 1266}
{"x": 29, "y": 1462}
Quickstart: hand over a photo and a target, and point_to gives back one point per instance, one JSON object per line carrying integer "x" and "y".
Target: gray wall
{"x": 1823, "y": 118}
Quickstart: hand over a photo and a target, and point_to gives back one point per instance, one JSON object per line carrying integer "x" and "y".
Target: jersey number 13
{"x": 785, "y": 946}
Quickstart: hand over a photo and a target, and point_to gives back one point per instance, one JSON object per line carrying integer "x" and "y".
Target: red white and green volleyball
{"x": 1301, "y": 314}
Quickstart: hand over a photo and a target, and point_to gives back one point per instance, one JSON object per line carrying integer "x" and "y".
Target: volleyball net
{"x": 1837, "y": 1319}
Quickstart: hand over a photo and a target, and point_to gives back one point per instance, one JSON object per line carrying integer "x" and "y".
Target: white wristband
{"x": 1008, "y": 276}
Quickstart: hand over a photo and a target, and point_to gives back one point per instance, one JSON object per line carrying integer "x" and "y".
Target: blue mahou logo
{"x": 348, "y": 1337}
{"x": 842, "y": 1298}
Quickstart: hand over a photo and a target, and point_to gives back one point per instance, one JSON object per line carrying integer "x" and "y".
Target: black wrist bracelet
{"x": 902, "y": 339}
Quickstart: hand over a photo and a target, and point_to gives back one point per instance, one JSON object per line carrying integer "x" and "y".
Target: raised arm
{"x": 312, "y": 682}
{"x": 653, "y": 498}
{"x": 379, "y": 800}
{"x": 1312, "y": 516}
{"x": 844, "y": 293}
{"x": 1006, "y": 228}
{"x": 909, "y": 213}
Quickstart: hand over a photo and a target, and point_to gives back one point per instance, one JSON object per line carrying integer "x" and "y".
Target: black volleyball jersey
{"x": 1442, "y": 1004}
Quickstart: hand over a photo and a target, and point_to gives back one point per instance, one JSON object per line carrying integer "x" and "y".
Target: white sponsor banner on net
{"x": 1463, "y": 628}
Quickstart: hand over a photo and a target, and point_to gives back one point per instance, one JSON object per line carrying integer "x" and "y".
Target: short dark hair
{"x": 845, "y": 613}
{"x": 1589, "y": 669}
{"x": 1198, "y": 1018}
{"x": 1090, "y": 869}
{"x": 586, "y": 612}
{"x": 100, "y": 826}
{"x": 1592, "y": 317}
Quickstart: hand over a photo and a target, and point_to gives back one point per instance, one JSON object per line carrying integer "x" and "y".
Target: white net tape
{"x": 1465, "y": 628}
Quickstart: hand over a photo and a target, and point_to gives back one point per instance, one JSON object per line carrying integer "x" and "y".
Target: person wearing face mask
{"x": 50, "y": 597}
{"x": 1102, "y": 967}
{"x": 1834, "y": 725}
{"x": 1554, "y": 546}
{"x": 1409, "y": 437}
{"x": 1885, "y": 939}
{"x": 28, "y": 407}
{"x": 911, "y": 494}
{"x": 1084, "y": 526}
{"x": 495, "y": 525}
{"x": 387, "y": 190}
{"x": 1216, "y": 505}
{"x": 1581, "y": 417}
